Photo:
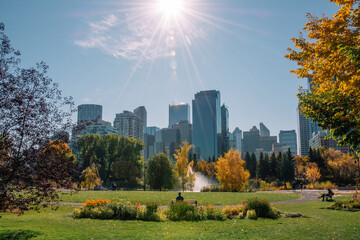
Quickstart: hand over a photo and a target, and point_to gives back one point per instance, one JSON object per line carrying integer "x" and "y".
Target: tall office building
{"x": 206, "y": 123}
{"x": 251, "y": 140}
{"x": 235, "y": 139}
{"x": 167, "y": 141}
{"x": 129, "y": 125}
{"x": 223, "y": 143}
{"x": 89, "y": 112}
{"x": 264, "y": 131}
{"x": 178, "y": 112}
{"x": 288, "y": 138}
{"x": 141, "y": 113}
{"x": 185, "y": 129}
{"x": 303, "y": 133}
{"x": 149, "y": 141}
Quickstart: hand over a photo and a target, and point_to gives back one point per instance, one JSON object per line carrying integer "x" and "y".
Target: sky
{"x": 124, "y": 54}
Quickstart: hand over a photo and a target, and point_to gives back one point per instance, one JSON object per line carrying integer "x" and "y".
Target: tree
{"x": 263, "y": 166}
{"x": 312, "y": 172}
{"x": 159, "y": 172}
{"x": 231, "y": 172}
{"x": 273, "y": 168}
{"x": 118, "y": 158}
{"x": 91, "y": 177}
{"x": 288, "y": 167}
{"x": 32, "y": 109}
{"x": 183, "y": 169}
{"x": 252, "y": 165}
{"x": 341, "y": 166}
{"x": 330, "y": 57}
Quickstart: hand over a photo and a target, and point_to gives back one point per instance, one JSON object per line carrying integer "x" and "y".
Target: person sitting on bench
{"x": 327, "y": 196}
{"x": 179, "y": 198}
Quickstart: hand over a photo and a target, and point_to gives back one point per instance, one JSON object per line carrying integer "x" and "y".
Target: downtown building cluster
{"x": 208, "y": 132}
{"x": 310, "y": 135}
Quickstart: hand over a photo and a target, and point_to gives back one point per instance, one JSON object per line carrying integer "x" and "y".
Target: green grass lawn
{"x": 318, "y": 223}
{"x": 164, "y": 198}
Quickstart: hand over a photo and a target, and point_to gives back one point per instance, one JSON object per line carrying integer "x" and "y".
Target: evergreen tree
{"x": 213, "y": 158}
{"x": 279, "y": 160}
{"x": 252, "y": 165}
{"x": 288, "y": 167}
{"x": 273, "y": 169}
{"x": 247, "y": 160}
{"x": 263, "y": 166}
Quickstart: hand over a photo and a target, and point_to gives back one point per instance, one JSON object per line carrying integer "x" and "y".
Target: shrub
{"x": 150, "y": 213}
{"x": 183, "y": 211}
{"x": 349, "y": 205}
{"x": 101, "y": 213}
{"x": 82, "y": 212}
{"x": 124, "y": 211}
{"x": 321, "y": 185}
{"x": 251, "y": 214}
{"x": 261, "y": 207}
{"x": 265, "y": 186}
{"x": 232, "y": 212}
{"x": 96, "y": 203}
{"x": 212, "y": 188}
{"x": 287, "y": 186}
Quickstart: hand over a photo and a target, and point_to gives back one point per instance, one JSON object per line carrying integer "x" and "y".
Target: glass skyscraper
{"x": 206, "y": 123}
{"x": 89, "y": 112}
{"x": 178, "y": 112}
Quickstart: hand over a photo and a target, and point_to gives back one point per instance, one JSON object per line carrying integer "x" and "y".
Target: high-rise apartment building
{"x": 206, "y": 123}
{"x": 319, "y": 140}
{"x": 89, "y": 112}
{"x": 141, "y": 113}
{"x": 129, "y": 125}
{"x": 178, "y": 112}
{"x": 288, "y": 138}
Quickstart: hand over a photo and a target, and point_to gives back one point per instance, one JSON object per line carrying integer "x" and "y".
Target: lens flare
{"x": 170, "y": 7}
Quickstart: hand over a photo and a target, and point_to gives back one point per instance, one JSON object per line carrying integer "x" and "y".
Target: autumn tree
{"x": 329, "y": 55}
{"x": 231, "y": 172}
{"x": 183, "y": 169}
{"x": 90, "y": 177}
{"x": 159, "y": 172}
{"x": 32, "y": 109}
{"x": 341, "y": 166}
{"x": 312, "y": 172}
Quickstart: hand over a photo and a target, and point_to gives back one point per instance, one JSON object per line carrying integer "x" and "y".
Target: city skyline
{"x": 236, "y": 48}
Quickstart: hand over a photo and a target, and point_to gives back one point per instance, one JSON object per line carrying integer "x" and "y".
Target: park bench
{"x": 193, "y": 202}
{"x": 327, "y": 196}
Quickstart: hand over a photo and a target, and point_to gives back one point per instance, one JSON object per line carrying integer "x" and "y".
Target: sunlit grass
{"x": 318, "y": 223}
{"x": 164, "y": 198}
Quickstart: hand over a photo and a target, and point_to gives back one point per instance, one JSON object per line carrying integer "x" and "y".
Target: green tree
{"x": 329, "y": 55}
{"x": 263, "y": 166}
{"x": 273, "y": 168}
{"x": 252, "y": 165}
{"x": 159, "y": 172}
{"x": 87, "y": 144}
{"x": 288, "y": 167}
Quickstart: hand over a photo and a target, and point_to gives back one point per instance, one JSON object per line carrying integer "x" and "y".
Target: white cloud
{"x": 132, "y": 36}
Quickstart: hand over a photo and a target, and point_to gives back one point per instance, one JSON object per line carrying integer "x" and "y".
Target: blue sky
{"x": 124, "y": 54}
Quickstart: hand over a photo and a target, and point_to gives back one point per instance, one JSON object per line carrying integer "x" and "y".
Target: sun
{"x": 170, "y": 7}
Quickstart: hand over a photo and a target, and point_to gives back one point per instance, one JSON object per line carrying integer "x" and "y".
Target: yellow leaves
{"x": 230, "y": 171}
{"x": 91, "y": 177}
{"x": 312, "y": 172}
{"x": 184, "y": 169}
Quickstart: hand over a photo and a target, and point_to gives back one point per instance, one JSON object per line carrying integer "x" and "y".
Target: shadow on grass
{"x": 18, "y": 234}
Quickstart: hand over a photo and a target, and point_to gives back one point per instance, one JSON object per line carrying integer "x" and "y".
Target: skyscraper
{"x": 223, "y": 144}
{"x": 303, "y": 133}
{"x": 129, "y": 125}
{"x": 288, "y": 138}
{"x": 264, "y": 131}
{"x": 89, "y": 112}
{"x": 251, "y": 140}
{"x": 206, "y": 123}
{"x": 141, "y": 113}
{"x": 185, "y": 129}
{"x": 178, "y": 112}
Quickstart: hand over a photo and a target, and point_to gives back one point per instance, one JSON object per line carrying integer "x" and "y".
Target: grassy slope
{"x": 319, "y": 223}
{"x": 165, "y": 197}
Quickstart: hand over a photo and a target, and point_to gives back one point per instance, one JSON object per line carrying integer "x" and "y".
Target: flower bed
{"x": 181, "y": 211}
